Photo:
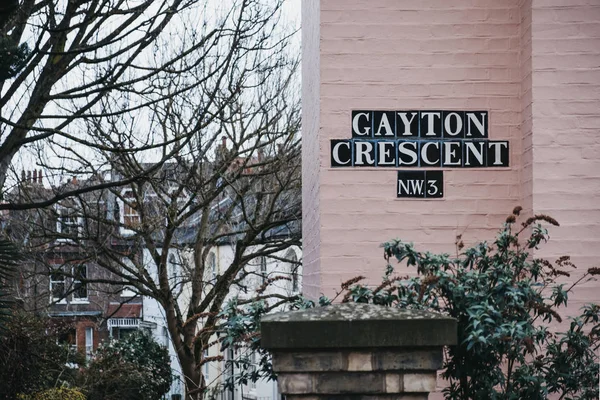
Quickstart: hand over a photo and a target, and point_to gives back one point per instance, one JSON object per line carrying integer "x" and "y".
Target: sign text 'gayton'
{"x": 424, "y": 138}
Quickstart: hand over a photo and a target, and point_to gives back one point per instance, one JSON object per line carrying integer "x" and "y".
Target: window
{"x": 253, "y": 370}
{"x": 128, "y": 291}
{"x": 131, "y": 217}
{"x": 120, "y": 328}
{"x": 165, "y": 334}
{"x": 68, "y": 223}
{"x": 291, "y": 256}
{"x": 212, "y": 265}
{"x": 89, "y": 342}
{"x": 119, "y": 333}
{"x": 57, "y": 285}
{"x": 80, "y": 292}
{"x": 68, "y": 337}
{"x": 206, "y": 372}
{"x": 75, "y": 284}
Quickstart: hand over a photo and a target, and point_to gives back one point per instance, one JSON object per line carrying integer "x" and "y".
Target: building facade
{"x": 89, "y": 268}
{"x": 530, "y": 65}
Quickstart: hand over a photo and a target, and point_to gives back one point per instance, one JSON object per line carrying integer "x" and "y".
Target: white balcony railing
{"x": 123, "y": 323}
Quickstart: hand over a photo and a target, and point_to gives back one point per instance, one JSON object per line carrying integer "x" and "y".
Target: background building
{"x": 80, "y": 251}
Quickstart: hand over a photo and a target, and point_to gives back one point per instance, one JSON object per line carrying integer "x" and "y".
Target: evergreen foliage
{"x": 133, "y": 368}
{"x": 9, "y": 258}
{"x": 62, "y": 393}
{"x": 12, "y": 56}
{"x": 32, "y": 359}
{"x": 504, "y": 300}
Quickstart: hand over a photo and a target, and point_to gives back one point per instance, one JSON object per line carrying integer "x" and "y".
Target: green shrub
{"x": 54, "y": 394}
{"x": 31, "y": 359}
{"x": 503, "y": 299}
{"x": 133, "y": 368}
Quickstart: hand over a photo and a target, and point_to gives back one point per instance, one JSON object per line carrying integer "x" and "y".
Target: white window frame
{"x": 71, "y": 345}
{"x": 127, "y": 211}
{"x": 128, "y": 290}
{"x": 63, "y": 298}
{"x": 293, "y": 259}
{"x": 77, "y": 222}
{"x": 212, "y": 265}
{"x": 89, "y": 341}
{"x": 253, "y": 367}
{"x": 74, "y": 299}
{"x": 206, "y": 371}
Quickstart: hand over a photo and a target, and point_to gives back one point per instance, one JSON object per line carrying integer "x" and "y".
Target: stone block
{"x": 409, "y": 359}
{"x": 349, "y": 382}
{"x": 393, "y": 383}
{"x": 357, "y": 352}
{"x": 295, "y": 383}
{"x": 360, "y": 361}
{"x": 308, "y": 361}
{"x": 353, "y": 325}
{"x": 419, "y": 382}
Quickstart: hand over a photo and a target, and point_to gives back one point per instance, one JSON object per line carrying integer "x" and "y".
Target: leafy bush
{"x": 135, "y": 367}
{"x": 54, "y": 394}
{"x": 31, "y": 358}
{"x": 9, "y": 259}
{"x": 503, "y": 299}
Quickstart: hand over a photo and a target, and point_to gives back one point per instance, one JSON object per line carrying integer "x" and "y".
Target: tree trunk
{"x": 194, "y": 381}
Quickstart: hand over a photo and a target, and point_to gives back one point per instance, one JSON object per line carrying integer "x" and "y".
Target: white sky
{"x": 291, "y": 16}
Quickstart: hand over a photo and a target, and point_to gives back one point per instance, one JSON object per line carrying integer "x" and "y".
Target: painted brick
{"x": 310, "y": 146}
{"x": 532, "y": 64}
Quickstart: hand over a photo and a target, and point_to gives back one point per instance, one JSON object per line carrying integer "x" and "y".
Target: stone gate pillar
{"x": 357, "y": 351}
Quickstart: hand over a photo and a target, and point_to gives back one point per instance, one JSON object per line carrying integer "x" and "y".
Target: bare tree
{"x": 90, "y": 74}
{"x": 219, "y": 165}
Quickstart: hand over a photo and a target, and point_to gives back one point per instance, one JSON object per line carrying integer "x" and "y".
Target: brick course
{"x": 407, "y": 55}
{"x": 534, "y": 64}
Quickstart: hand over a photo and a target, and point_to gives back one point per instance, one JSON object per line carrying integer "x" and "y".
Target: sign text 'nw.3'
{"x": 419, "y": 139}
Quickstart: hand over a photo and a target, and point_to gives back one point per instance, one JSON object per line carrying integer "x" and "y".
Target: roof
{"x": 124, "y": 310}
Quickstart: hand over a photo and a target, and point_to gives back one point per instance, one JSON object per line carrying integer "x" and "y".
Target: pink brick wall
{"x": 391, "y": 54}
{"x": 526, "y": 110}
{"x": 534, "y": 64}
{"x": 566, "y": 132}
{"x": 311, "y": 217}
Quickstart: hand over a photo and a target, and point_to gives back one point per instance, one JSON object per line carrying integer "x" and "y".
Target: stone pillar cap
{"x": 356, "y": 325}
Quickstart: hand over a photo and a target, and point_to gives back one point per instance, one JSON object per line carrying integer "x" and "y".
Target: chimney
{"x": 22, "y": 175}
{"x": 28, "y": 176}
{"x": 35, "y": 176}
{"x": 224, "y": 142}
{"x": 40, "y": 176}
{"x": 74, "y": 181}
